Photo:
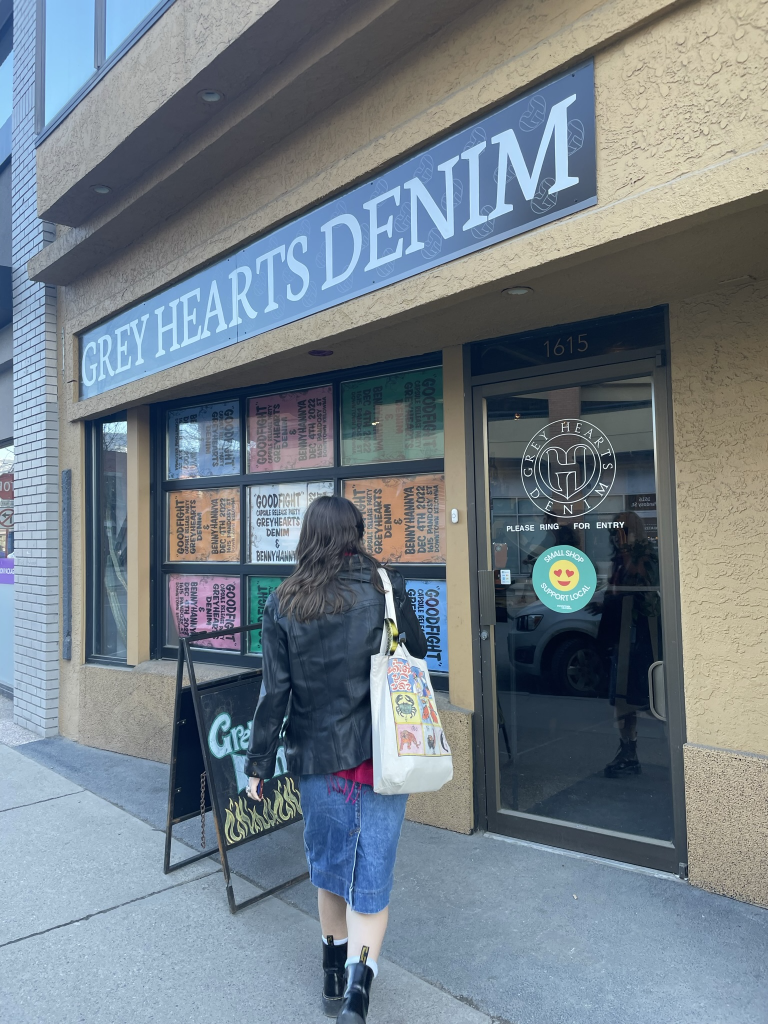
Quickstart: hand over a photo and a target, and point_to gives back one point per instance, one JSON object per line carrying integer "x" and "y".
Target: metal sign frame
{"x": 210, "y": 798}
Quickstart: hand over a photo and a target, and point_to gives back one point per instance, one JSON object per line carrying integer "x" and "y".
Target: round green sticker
{"x": 564, "y": 579}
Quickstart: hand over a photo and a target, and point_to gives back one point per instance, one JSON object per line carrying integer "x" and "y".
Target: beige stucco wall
{"x": 727, "y": 810}
{"x": 719, "y": 368}
{"x": 682, "y": 122}
{"x": 674, "y": 127}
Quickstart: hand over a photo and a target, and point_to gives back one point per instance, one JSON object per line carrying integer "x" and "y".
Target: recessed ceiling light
{"x": 211, "y": 95}
{"x": 321, "y": 351}
{"x": 518, "y": 289}
{"x": 103, "y": 190}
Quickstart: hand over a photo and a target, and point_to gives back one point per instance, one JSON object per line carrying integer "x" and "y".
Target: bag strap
{"x": 389, "y": 636}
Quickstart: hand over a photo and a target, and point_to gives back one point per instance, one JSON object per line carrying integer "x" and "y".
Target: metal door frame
{"x": 652, "y": 853}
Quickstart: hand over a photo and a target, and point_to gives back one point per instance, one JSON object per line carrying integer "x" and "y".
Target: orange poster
{"x": 404, "y": 517}
{"x": 204, "y": 525}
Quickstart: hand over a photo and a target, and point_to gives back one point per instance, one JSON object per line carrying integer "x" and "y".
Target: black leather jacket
{"x": 324, "y": 667}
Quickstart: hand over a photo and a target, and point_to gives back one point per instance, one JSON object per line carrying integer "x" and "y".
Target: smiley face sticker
{"x": 564, "y": 579}
{"x": 564, "y": 575}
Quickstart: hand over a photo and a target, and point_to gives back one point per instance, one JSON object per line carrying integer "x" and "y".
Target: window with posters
{"x": 107, "y": 539}
{"x": 238, "y": 472}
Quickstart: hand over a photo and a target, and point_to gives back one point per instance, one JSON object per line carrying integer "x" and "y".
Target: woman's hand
{"x": 255, "y": 788}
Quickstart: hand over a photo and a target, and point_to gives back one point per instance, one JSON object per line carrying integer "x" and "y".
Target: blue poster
{"x": 428, "y": 598}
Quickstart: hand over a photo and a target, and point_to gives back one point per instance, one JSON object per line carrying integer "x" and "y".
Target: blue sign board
{"x": 428, "y": 598}
{"x": 526, "y": 164}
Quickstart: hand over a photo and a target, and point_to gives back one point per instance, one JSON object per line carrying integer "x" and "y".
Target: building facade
{"x": 495, "y": 271}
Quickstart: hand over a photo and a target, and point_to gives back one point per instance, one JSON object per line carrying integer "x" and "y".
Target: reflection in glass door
{"x": 577, "y": 642}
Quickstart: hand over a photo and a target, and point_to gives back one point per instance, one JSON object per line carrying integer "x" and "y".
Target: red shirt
{"x": 362, "y": 774}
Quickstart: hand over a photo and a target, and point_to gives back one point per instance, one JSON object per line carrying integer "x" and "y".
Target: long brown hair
{"x": 331, "y": 533}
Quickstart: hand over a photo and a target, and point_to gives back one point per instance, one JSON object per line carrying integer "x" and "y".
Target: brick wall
{"x": 36, "y": 431}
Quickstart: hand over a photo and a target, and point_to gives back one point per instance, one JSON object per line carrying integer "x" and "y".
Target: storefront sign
{"x": 203, "y": 604}
{"x": 564, "y": 579}
{"x": 428, "y": 598}
{"x": 204, "y": 525}
{"x": 394, "y": 418}
{"x": 277, "y": 511}
{"x": 259, "y": 589}
{"x": 568, "y": 468}
{"x": 6, "y": 570}
{"x": 404, "y": 517}
{"x": 204, "y": 441}
{"x": 526, "y": 164}
{"x": 291, "y": 431}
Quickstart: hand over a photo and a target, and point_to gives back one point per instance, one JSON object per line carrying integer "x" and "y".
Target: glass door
{"x": 580, "y": 694}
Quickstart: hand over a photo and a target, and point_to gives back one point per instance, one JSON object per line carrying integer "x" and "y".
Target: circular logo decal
{"x": 568, "y": 467}
{"x": 564, "y": 579}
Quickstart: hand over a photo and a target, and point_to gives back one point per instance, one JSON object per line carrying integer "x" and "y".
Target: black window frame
{"x": 160, "y": 487}
{"x": 93, "y": 552}
{"x": 102, "y": 63}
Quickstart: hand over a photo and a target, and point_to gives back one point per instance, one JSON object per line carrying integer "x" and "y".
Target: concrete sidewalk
{"x": 92, "y": 931}
{"x": 524, "y": 934}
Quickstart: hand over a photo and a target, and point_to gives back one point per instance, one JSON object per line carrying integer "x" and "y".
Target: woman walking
{"x": 319, "y": 631}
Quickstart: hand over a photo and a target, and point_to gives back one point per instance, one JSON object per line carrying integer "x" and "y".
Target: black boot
{"x": 625, "y": 762}
{"x": 354, "y": 1006}
{"x": 334, "y": 958}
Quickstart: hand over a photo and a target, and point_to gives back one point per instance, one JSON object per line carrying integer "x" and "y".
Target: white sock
{"x": 336, "y": 942}
{"x": 370, "y": 963}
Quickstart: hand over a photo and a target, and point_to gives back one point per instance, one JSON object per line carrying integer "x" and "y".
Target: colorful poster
{"x": 404, "y": 517}
{"x": 201, "y": 604}
{"x": 396, "y": 418}
{"x": 428, "y": 598}
{"x": 259, "y": 589}
{"x": 291, "y": 431}
{"x": 204, "y": 526}
{"x": 276, "y": 514}
{"x": 204, "y": 440}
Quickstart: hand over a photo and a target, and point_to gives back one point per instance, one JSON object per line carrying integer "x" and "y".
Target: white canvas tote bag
{"x": 410, "y": 751}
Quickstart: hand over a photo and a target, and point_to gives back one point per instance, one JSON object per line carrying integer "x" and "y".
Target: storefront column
{"x": 138, "y": 471}
{"x": 457, "y": 536}
{"x": 36, "y": 424}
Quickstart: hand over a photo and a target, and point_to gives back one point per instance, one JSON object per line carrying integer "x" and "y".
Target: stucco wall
{"x": 719, "y": 356}
{"x": 682, "y": 123}
{"x": 663, "y": 105}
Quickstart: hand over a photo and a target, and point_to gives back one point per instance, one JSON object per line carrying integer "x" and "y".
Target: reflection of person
{"x": 559, "y": 531}
{"x": 628, "y": 632}
{"x": 320, "y": 628}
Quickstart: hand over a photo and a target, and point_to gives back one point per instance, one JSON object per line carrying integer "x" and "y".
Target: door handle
{"x": 486, "y": 592}
{"x": 657, "y": 691}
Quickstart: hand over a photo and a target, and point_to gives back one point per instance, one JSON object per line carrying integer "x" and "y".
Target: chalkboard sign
{"x": 211, "y": 730}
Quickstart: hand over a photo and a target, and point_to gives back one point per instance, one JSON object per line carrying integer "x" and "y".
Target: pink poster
{"x": 202, "y": 604}
{"x": 290, "y": 431}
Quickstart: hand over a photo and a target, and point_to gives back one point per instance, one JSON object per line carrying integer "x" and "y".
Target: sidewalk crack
{"x": 107, "y": 910}
{"x": 45, "y": 800}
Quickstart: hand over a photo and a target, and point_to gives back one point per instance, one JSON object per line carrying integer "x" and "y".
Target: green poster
{"x": 396, "y": 418}
{"x": 259, "y": 589}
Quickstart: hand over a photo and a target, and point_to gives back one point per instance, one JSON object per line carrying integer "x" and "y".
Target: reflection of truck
{"x": 557, "y": 652}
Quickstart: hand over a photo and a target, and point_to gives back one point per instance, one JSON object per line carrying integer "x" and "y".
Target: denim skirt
{"x": 350, "y": 837}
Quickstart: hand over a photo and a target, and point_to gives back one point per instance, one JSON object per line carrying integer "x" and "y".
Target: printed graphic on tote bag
{"x": 432, "y": 741}
{"x": 409, "y": 739}
{"x": 416, "y": 718}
